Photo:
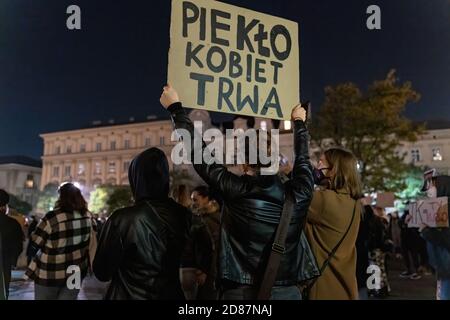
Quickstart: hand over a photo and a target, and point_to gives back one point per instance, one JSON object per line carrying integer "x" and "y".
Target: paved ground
{"x": 92, "y": 289}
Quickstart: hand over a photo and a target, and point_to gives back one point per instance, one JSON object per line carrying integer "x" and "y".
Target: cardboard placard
{"x": 385, "y": 200}
{"x": 229, "y": 59}
{"x": 433, "y": 212}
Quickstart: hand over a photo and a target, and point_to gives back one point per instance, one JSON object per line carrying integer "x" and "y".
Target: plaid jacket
{"x": 62, "y": 240}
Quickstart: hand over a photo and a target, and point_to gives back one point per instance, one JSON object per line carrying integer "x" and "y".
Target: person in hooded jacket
{"x": 140, "y": 246}
{"x": 438, "y": 239}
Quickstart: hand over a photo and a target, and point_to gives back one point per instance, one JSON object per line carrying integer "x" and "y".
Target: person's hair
{"x": 203, "y": 191}
{"x": 4, "y": 198}
{"x": 180, "y": 194}
{"x": 70, "y": 200}
{"x": 344, "y": 166}
{"x": 251, "y": 147}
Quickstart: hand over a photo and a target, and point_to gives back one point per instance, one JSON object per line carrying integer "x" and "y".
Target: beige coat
{"x": 328, "y": 218}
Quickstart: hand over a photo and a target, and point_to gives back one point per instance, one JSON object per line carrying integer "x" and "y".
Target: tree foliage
{"x": 370, "y": 124}
{"x": 107, "y": 198}
{"x": 47, "y": 198}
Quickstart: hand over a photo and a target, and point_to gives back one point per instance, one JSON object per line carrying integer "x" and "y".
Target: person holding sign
{"x": 438, "y": 239}
{"x": 252, "y": 206}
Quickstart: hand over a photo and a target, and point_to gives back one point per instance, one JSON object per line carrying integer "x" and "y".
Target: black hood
{"x": 442, "y": 186}
{"x": 149, "y": 175}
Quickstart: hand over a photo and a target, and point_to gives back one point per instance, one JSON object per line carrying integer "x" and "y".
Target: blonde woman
{"x": 332, "y": 225}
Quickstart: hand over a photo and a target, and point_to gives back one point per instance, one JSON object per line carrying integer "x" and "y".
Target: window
{"x": 415, "y": 155}
{"x": 58, "y": 150}
{"x": 112, "y": 167}
{"x": 98, "y": 168}
{"x": 113, "y": 145}
{"x": 98, "y": 147}
{"x": 69, "y": 149}
{"x": 82, "y": 148}
{"x": 30, "y": 182}
{"x": 81, "y": 169}
{"x": 437, "y": 156}
{"x": 67, "y": 171}
{"x": 56, "y": 171}
{"x": 148, "y": 142}
{"x": 287, "y": 125}
{"x": 161, "y": 141}
{"x": 126, "y": 165}
{"x": 127, "y": 144}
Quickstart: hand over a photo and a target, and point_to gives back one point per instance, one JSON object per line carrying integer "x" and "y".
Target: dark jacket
{"x": 12, "y": 236}
{"x": 438, "y": 239}
{"x": 252, "y": 206}
{"x": 140, "y": 246}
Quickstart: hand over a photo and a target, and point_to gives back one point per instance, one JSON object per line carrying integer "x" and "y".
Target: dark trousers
{"x": 250, "y": 293}
{"x": 7, "y": 278}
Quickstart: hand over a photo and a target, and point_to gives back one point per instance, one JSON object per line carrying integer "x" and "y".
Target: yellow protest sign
{"x": 230, "y": 59}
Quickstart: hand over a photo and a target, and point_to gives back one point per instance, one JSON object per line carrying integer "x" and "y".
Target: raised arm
{"x": 215, "y": 175}
{"x": 302, "y": 173}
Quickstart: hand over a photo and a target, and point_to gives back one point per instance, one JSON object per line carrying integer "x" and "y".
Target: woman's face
{"x": 323, "y": 165}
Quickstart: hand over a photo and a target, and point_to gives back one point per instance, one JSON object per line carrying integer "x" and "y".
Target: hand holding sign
{"x": 298, "y": 113}
{"x": 169, "y": 96}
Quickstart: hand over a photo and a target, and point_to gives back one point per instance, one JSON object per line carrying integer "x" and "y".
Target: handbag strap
{"x": 333, "y": 252}
{"x": 278, "y": 248}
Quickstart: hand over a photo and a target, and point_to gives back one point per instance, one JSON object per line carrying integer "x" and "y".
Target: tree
{"x": 21, "y": 206}
{"x": 107, "y": 198}
{"x": 120, "y": 197}
{"x": 372, "y": 126}
{"x": 47, "y": 198}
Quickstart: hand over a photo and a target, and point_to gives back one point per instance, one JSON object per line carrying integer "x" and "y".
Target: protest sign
{"x": 385, "y": 200}
{"x": 234, "y": 60}
{"x": 433, "y": 212}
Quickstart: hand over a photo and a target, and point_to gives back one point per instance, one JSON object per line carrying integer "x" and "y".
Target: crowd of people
{"x": 217, "y": 240}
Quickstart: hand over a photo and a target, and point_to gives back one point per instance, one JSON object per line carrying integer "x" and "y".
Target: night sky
{"x": 54, "y": 79}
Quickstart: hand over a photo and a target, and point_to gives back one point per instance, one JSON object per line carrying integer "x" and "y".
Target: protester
{"x": 180, "y": 194}
{"x": 410, "y": 240}
{"x": 11, "y": 239}
{"x": 438, "y": 240}
{"x": 31, "y": 228}
{"x": 362, "y": 253}
{"x": 61, "y": 240}
{"x": 333, "y": 222}
{"x": 205, "y": 233}
{"x": 141, "y": 246}
{"x": 252, "y": 205}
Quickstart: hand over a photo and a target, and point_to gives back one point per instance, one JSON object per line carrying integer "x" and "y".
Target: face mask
{"x": 319, "y": 176}
{"x": 432, "y": 192}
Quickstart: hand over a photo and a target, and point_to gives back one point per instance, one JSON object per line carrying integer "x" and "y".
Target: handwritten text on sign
{"x": 432, "y": 212}
{"x": 229, "y": 59}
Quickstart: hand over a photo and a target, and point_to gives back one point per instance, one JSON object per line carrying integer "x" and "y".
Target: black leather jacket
{"x": 252, "y": 206}
{"x": 140, "y": 246}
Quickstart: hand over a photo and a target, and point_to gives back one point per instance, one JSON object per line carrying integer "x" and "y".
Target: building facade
{"x": 21, "y": 176}
{"x": 101, "y": 155}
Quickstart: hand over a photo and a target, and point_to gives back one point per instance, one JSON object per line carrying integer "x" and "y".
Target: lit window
{"x": 58, "y": 150}
{"x": 415, "y": 155}
{"x": 56, "y": 171}
{"x": 263, "y": 125}
{"x": 67, "y": 171}
{"x": 81, "y": 168}
{"x": 147, "y": 142}
{"x": 98, "y": 168}
{"x": 98, "y": 147}
{"x": 127, "y": 144}
{"x": 437, "y": 156}
{"x": 83, "y": 148}
{"x": 69, "y": 149}
{"x": 113, "y": 145}
{"x": 30, "y": 182}
{"x": 112, "y": 167}
{"x": 287, "y": 125}
{"x": 161, "y": 141}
